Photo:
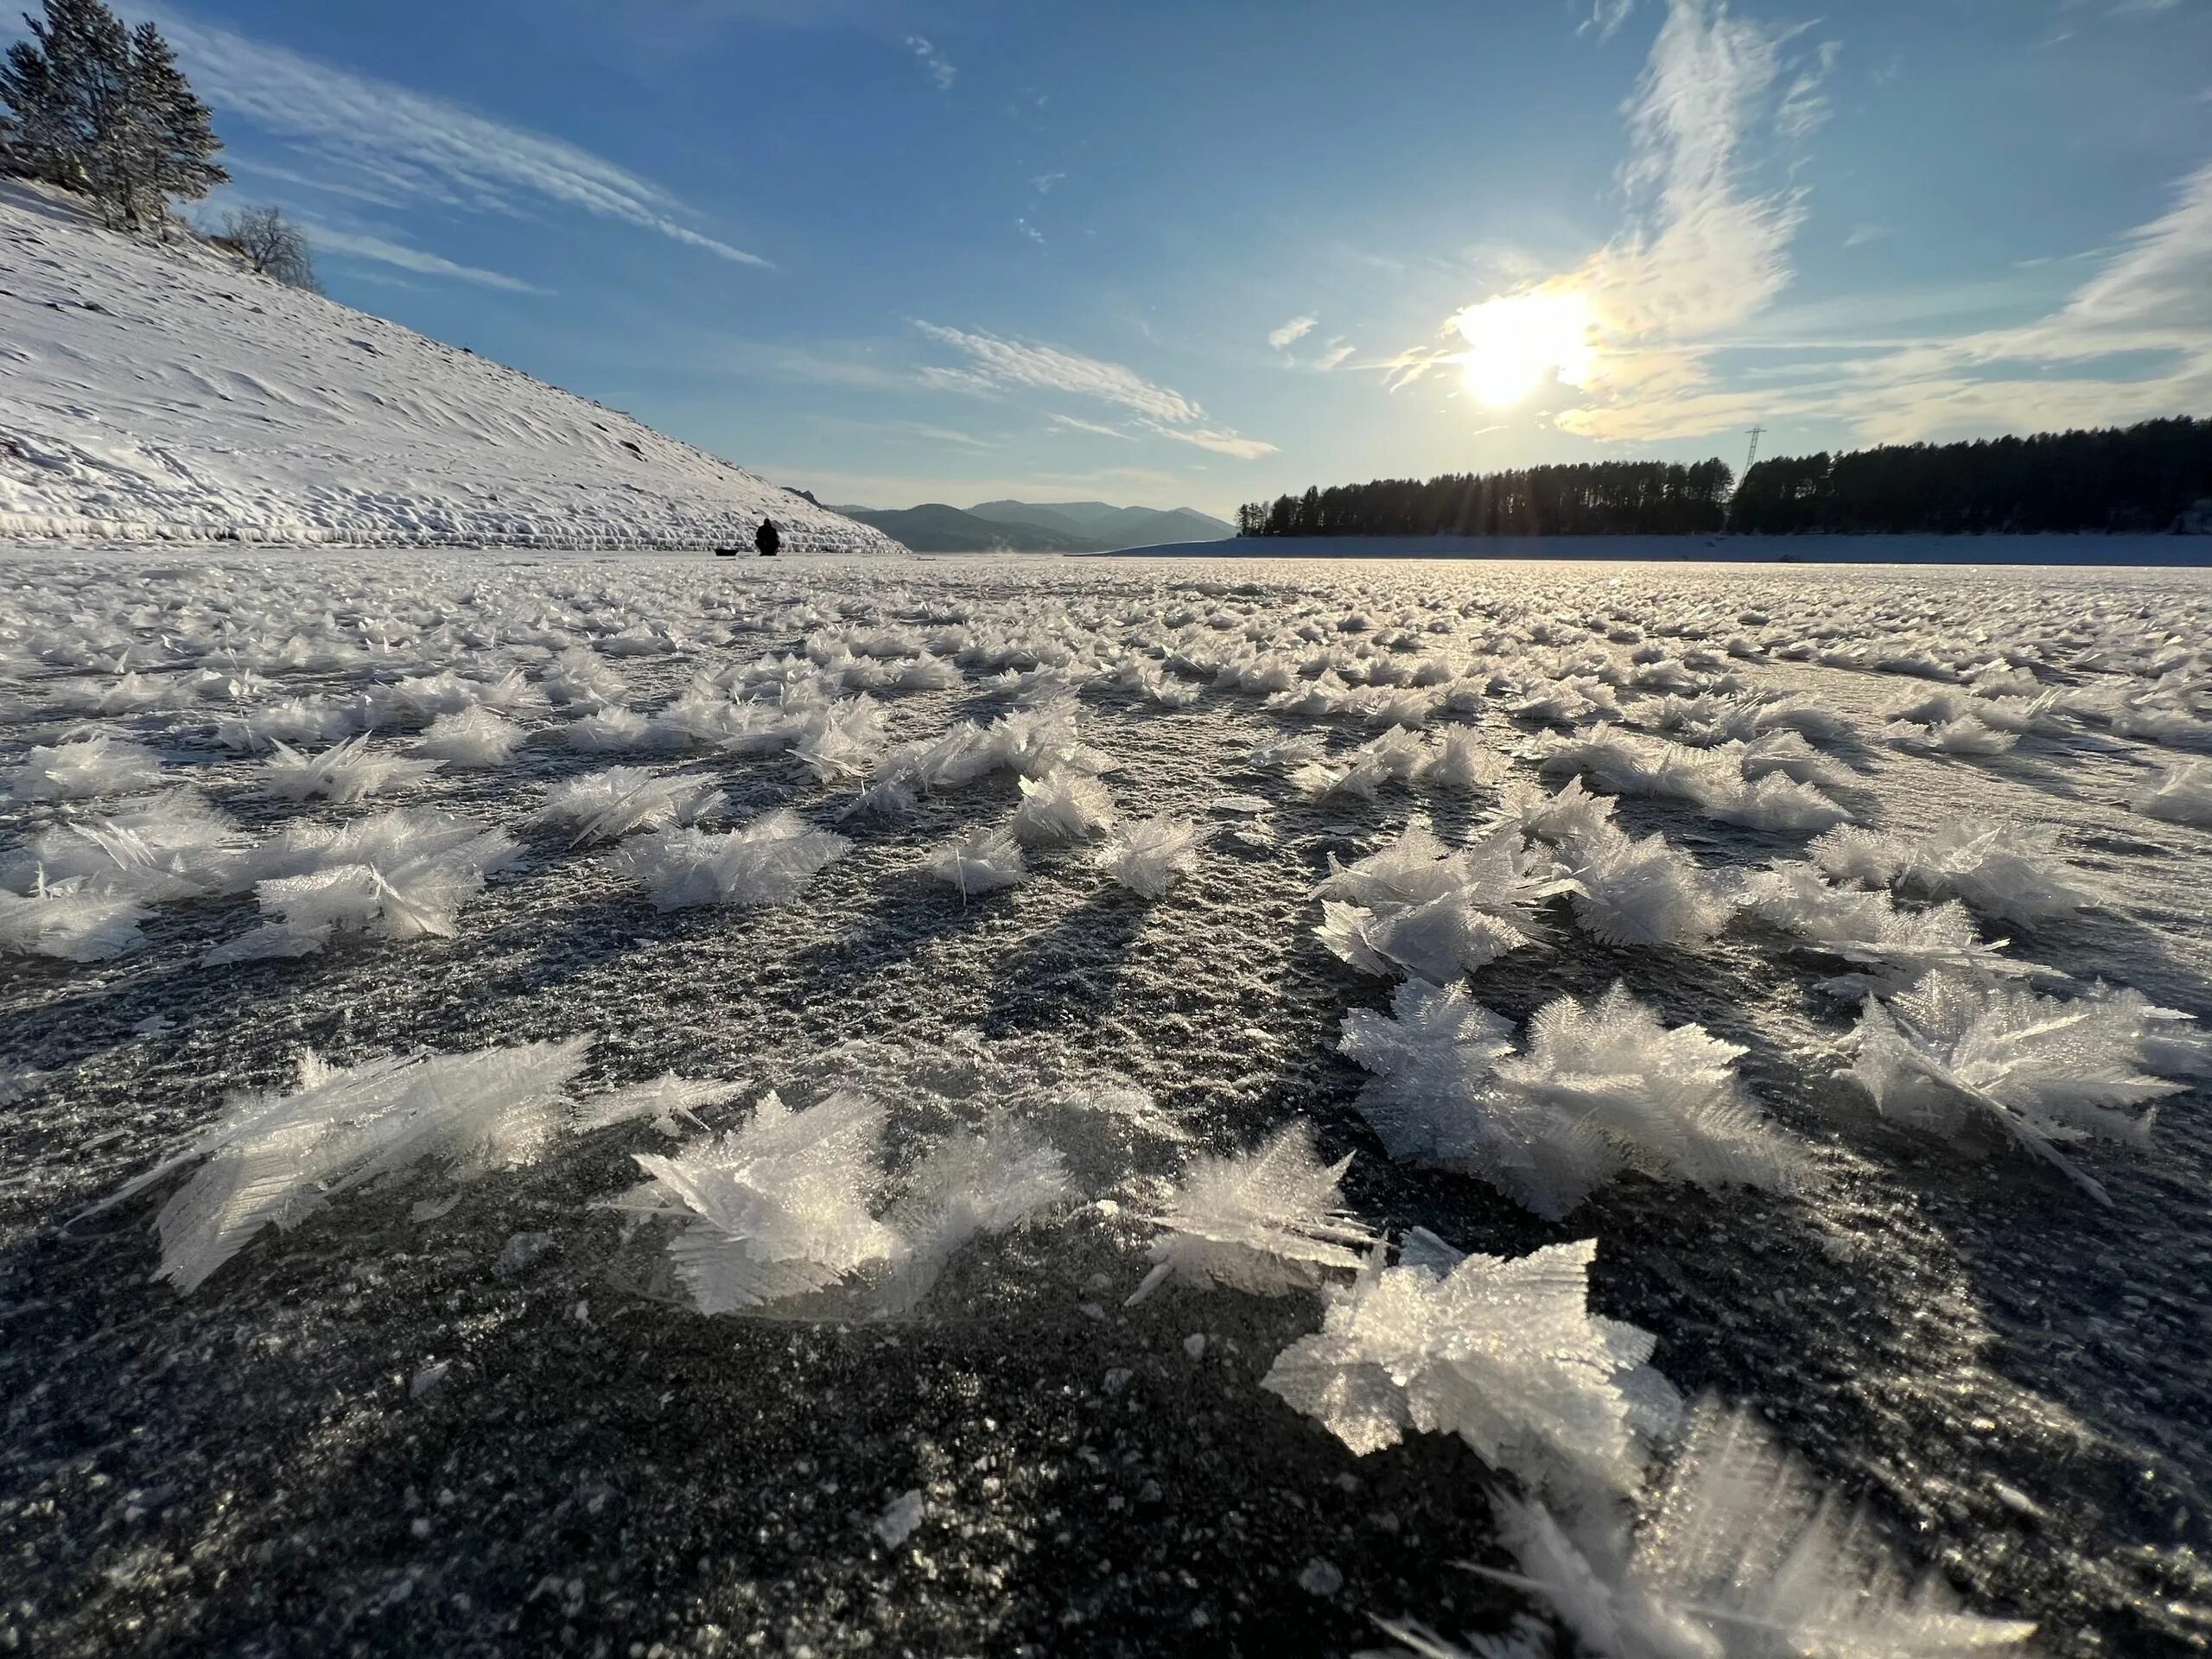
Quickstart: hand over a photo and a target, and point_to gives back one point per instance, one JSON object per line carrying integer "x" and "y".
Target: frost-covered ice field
{"x": 634, "y": 1106}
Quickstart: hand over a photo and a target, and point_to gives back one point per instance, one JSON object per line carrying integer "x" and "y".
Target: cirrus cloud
{"x": 994, "y": 364}
{"x": 407, "y": 145}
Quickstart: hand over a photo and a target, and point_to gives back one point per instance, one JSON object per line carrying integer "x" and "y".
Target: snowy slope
{"x": 160, "y": 392}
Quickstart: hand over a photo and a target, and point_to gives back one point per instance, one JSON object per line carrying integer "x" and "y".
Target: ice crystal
{"x": 1504, "y": 1353}
{"x": 83, "y": 768}
{"x": 277, "y": 1157}
{"x": 1955, "y": 1051}
{"x": 1741, "y": 1556}
{"x": 607, "y": 805}
{"x": 1150, "y": 855}
{"x": 775, "y": 1208}
{"x": 345, "y": 772}
{"x": 769, "y": 862}
{"x": 984, "y": 859}
{"x": 1266, "y": 1222}
{"x": 2009, "y": 871}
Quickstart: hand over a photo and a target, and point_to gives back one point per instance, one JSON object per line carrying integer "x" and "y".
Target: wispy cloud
{"x": 385, "y": 252}
{"x": 1070, "y": 423}
{"x": 1220, "y": 442}
{"x": 1860, "y": 235}
{"x": 941, "y": 72}
{"x": 1703, "y": 247}
{"x": 1606, "y": 18}
{"x": 1043, "y": 182}
{"x": 994, "y": 364}
{"x": 1334, "y": 354}
{"x": 2132, "y": 342}
{"x": 1805, "y": 107}
{"x": 1296, "y": 329}
{"x": 373, "y": 135}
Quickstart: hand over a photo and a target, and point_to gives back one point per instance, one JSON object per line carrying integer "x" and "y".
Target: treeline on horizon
{"x": 2154, "y": 476}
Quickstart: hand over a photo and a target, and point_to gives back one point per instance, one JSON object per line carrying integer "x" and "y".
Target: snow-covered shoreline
{"x": 2118, "y": 552}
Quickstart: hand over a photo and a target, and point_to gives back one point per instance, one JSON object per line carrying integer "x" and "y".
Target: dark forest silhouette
{"x": 2155, "y": 476}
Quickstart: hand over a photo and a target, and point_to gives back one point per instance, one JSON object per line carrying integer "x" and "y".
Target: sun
{"x": 1515, "y": 340}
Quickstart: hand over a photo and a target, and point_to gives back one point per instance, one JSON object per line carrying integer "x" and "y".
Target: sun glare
{"x": 1516, "y": 339}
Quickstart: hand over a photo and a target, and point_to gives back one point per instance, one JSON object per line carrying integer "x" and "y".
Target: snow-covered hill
{"x": 161, "y": 392}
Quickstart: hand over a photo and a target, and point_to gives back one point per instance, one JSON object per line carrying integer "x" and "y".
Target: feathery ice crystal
{"x": 775, "y": 1208}
{"x": 1955, "y": 1050}
{"x": 1741, "y": 1556}
{"x": 984, "y": 859}
{"x": 1150, "y": 855}
{"x": 1503, "y": 1353}
{"x": 2009, "y": 871}
{"x": 1266, "y": 1222}
{"x": 614, "y": 802}
{"x": 85, "y": 767}
{"x": 767, "y": 862}
{"x": 1601, "y": 1089}
{"x": 276, "y": 1158}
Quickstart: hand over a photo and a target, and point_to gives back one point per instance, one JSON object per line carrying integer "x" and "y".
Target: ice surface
{"x": 1924, "y": 1316}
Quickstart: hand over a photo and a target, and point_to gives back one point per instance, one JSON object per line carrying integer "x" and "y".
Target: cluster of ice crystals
{"x": 2182, "y": 793}
{"x": 775, "y": 1208}
{"x": 983, "y": 861}
{"x": 617, "y": 800}
{"x": 473, "y": 737}
{"x": 1601, "y": 1089}
{"x": 84, "y": 768}
{"x": 1418, "y": 907}
{"x": 401, "y": 874}
{"x": 345, "y": 772}
{"x": 767, "y": 862}
{"x": 1150, "y": 855}
{"x": 2010, "y": 871}
{"x": 1741, "y": 1556}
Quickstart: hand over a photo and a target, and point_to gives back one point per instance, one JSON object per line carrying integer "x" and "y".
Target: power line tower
{"x": 1750, "y": 460}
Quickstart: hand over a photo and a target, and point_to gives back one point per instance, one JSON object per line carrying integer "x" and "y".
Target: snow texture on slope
{"x": 160, "y": 392}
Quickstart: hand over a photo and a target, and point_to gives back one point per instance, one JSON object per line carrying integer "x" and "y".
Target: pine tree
{"x": 104, "y": 109}
{"x": 176, "y": 125}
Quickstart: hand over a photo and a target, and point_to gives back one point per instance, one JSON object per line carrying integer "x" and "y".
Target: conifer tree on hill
{"x": 104, "y": 109}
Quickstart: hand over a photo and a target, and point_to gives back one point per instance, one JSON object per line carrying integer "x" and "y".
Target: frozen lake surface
{"x": 450, "y": 1399}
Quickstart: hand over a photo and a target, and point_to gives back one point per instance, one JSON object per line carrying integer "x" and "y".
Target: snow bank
{"x": 159, "y": 392}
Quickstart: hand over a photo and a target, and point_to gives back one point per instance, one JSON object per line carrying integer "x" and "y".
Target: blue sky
{"x": 1185, "y": 254}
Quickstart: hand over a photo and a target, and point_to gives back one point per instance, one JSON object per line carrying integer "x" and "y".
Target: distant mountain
{"x": 1176, "y": 524}
{"x": 1109, "y": 526}
{"x": 934, "y": 527}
